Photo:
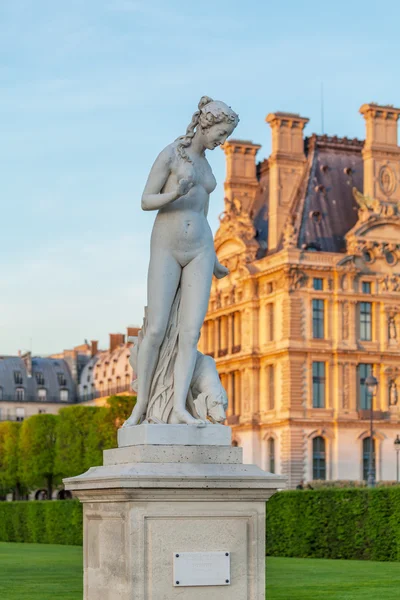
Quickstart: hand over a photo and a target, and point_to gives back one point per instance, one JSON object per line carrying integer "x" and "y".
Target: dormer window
{"x": 18, "y": 379}
{"x": 61, "y": 379}
{"x": 390, "y": 258}
{"x": 39, "y": 378}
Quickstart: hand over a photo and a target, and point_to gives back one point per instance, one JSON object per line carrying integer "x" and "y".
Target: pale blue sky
{"x": 92, "y": 90}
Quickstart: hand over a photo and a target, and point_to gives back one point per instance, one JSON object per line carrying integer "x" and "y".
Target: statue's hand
{"x": 184, "y": 186}
{"x": 219, "y": 270}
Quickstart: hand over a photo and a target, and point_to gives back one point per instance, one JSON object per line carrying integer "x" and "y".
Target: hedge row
{"x": 44, "y": 522}
{"x": 359, "y": 524}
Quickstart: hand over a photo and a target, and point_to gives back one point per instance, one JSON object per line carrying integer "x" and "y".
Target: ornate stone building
{"x": 311, "y": 306}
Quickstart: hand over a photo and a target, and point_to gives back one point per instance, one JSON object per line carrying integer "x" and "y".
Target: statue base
{"x": 162, "y": 517}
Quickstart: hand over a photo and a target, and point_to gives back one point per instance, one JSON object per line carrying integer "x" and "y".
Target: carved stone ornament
{"x": 289, "y": 235}
{"x": 389, "y": 283}
{"x": 238, "y": 224}
{"x": 387, "y": 180}
{"x": 176, "y": 383}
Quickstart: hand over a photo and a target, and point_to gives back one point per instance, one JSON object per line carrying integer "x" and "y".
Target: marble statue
{"x": 176, "y": 383}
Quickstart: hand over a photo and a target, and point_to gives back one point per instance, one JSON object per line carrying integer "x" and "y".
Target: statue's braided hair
{"x": 218, "y": 112}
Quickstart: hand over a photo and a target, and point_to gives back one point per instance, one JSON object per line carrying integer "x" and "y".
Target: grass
{"x": 45, "y": 572}
{"x": 315, "y": 578}
{"x": 40, "y": 572}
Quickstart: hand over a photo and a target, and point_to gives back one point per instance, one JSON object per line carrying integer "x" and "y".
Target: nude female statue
{"x": 182, "y": 251}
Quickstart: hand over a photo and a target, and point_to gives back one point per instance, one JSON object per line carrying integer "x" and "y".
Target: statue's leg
{"x": 162, "y": 283}
{"x": 195, "y": 294}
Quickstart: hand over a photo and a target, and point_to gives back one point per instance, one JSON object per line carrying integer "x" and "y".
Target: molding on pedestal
{"x": 174, "y": 435}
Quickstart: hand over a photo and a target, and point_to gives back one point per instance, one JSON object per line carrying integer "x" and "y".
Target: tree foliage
{"x": 37, "y": 452}
{"x": 9, "y": 459}
{"x": 52, "y": 447}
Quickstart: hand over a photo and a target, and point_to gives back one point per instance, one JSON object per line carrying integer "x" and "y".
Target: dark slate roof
{"x": 49, "y": 368}
{"x": 329, "y": 209}
{"x": 324, "y": 198}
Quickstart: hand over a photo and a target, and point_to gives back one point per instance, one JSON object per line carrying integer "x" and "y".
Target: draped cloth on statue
{"x": 206, "y": 397}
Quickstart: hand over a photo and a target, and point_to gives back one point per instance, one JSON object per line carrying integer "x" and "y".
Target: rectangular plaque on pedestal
{"x": 201, "y": 568}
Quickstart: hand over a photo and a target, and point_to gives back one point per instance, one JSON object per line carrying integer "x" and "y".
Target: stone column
{"x": 174, "y": 514}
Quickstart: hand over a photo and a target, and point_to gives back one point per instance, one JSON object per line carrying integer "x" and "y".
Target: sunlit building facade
{"x": 311, "y": 306}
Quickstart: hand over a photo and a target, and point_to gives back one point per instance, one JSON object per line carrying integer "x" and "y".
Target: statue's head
{"x": 214, "y": 121}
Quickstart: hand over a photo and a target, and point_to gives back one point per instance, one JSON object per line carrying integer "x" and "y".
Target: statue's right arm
{"x": 152, "y": 198}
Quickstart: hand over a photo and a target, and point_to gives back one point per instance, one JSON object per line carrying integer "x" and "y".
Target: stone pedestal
{"x": 151, "y": 502}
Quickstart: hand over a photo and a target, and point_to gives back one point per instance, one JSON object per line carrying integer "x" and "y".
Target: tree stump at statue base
{"x": 172, "y": 521}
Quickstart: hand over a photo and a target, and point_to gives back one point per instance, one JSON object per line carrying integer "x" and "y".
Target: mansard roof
{"x": 35, "y": 373}
{"x": 324, "y": 204}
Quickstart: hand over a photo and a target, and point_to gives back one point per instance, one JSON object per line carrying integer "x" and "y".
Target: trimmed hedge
{"x": 359, "y": 524}
{"x": 42, "y": 522}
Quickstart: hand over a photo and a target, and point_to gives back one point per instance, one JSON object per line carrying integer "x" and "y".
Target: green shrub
{"x": 359, "y": 524}
{"x": 43, "y": 522}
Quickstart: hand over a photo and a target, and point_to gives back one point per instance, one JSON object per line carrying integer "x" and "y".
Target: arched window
{"x": 118, "y": 384}
{"x": 271, "y": 455}
{"x": 319, "y": 460}
{"x": 366, "y": 454}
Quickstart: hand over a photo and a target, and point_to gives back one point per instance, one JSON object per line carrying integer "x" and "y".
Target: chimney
{"x": 116, "y": 339}
{"x": 241, "y": 180}
{"x": 381, "y": 152}
{"x": 94, "y": 347}
{"x": 132, "y": 332}
{"x": 286, "y": 167}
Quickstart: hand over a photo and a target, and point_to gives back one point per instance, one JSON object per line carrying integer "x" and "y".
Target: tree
{"x": 37, "y": 452}
{"x": 73, "y": 429}
{"x": 103, "y": 432}
{"x": 9, "y": 460}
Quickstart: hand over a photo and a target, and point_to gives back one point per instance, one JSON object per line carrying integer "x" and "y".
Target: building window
{"x": 318, "y": 284}
{"x": 271, "y": 322}
{"x": 20, "y": 394}
{"x": 366, "y": 287}
{"x": 61, "y": 379}
{"x": 20, "y": 414}
{"x": 365, "y": 321}
{"x": 271, "y": 386}
{"x": 1, "y": 393}
{"x": 364, "y": 394}
{"x": 271, "y": 455}
{"x": 18, "y": 377}
{"x": 42, "y": 395}
{"x": 109, "y": 387}
{"x": 318, "y": 318}
{"x": 366, "y": 453}
{"x": 319, "y": 461}
{"x": 88, "y": 378}
{"x": 318, "y": 374}
{"x": 64, "y": 395}
{"x": 42, "y": 411}
{"x": 39, "y": 378}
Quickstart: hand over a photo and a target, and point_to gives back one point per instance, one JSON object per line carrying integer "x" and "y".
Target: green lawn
{"x": 313, "y": 578}
{"x": 45, "y": 572}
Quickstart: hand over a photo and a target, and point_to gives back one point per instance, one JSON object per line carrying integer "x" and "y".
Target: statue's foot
{"x": 184, "y": 417}
{"x": 134, "y": 419}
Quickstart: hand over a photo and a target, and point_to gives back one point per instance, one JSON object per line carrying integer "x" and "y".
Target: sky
{"x": 92, "y": 90}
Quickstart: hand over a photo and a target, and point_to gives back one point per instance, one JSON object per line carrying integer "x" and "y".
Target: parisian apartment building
{"x": 311, "y": 306}
{"x": 32, "y": 385}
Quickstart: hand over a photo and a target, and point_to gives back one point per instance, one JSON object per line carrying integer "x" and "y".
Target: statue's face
{"x": 217, "y": 134}
{"x": 215, "y": 408}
